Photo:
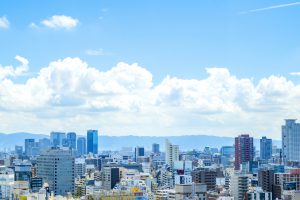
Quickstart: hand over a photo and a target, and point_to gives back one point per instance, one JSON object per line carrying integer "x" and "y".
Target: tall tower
{"x": 265, "y": 148}
{"x": 81, "y": 146}
{"x": 172, "y": 153}
{"x": 56, "y": 139}
{"x": 92, "y": 141}
{"x": 56, "y": 167}
{"x": 71, "y": 139}
{"x": 291, "y": 140}
{"x": 244, "y": 151}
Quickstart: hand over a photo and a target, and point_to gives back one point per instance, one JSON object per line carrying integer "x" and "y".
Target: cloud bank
{"x": 69, "y": 95}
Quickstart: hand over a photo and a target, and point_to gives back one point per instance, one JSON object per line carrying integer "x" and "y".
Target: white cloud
{"x": 6, "y": 71}
{"x": 60, "y": 21}
{"x": 271, "y": 7}
{"x": 4, "y": 23}
{"x": 95, "y": 52}
{"x": 123, "y": 100}
{"x": 295, "y": 73}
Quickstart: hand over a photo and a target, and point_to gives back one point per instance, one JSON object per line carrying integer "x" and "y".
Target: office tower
{"x": 207, "y": 176}
{"x": 265, "y": 179}
{"x": 155, "y": 148}
{"x": 227, "y": 151}
{"x": 138, "y": 152}
{"x": 71, "y": 140}
{"x": 239, "y": 185}
{"x": 56, "y": 167}
{"x": 22, "y": 171}
{"x": 44, "y": 144}
{"x": 244, "y": 151}
{"x": 29, "y": 143}
{"x": 92, "y": 141}
{"x": 171, "y": 153}
{"x": 31, "y": 147}
{"x": 81, "y": 146}
{"x": 291, "y": 141}
{"x": 265, "y": 148}
{"x": 18, "y": 150}
{"x": 111, "y": 177}
{"x": 57, "y": 138}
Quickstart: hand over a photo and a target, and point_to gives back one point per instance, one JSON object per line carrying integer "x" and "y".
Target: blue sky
{"x": 251, "y": 39}
{"x": 178, "y": 38}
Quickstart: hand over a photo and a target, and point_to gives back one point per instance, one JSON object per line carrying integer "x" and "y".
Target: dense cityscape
{"x": 65, "y": 166}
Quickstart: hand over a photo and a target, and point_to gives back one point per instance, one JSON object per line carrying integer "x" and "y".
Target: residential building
{"x": 244, "y": 151}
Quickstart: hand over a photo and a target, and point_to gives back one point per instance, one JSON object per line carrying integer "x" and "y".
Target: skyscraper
{"x": 172, "y": 153}
{"x": 111, "y": 177}
{"x": 155, "y": 148}
{"x": 138, "y": 152}
{"x": 56, "y": 167}
{"x": 291, "y": 140}
{"x": 71, "y": 140}
{"x": 244, "y": 151}
{"x": 57, "y": 138}
{"x": 81, "y": 146}
{"x": 31, "y": 147}
{"x": 92, "y": 141}
{"x": 28, "y": 145}
{"x": 265, "y": 148}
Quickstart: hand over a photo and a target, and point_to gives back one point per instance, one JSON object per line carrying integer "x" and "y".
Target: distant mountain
{"x": 187, "y": 142}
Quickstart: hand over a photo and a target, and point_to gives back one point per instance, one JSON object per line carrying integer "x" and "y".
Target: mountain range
{"x": 186, "y": 142}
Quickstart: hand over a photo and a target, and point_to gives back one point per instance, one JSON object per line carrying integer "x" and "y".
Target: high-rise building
{"x": 57, "y": 138}
{"x": 206, "y": 176}
{"x": 239, "y": 185}
{"x": 155, "y": 148}
{"x": 244, "y": 151}
{"x": 31, "y": 147}
{"x": 81, "y": 146}
{"x": 111, "y": 177}
{"x": 265, "y": 179}
{"x": 227, "y": 151}
{"x": 92, "y": 141}
{"x": 291, "y": 141}
{"x": 18, "y": 150}
{"x": 138, "y": 152}
{"x": 265, "y": 148}
{"x": 44, "y": 143}
{"x": 56, "y": 167}
{"x": 171, "y": 153}
{"x": 71, "y": 140}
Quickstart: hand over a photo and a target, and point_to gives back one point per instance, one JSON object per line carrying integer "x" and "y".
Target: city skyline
{"x": 197, "y": 68}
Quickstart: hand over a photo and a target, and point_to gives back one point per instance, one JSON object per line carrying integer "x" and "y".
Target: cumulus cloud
{"x": 295, "y": 73}
{"x": 123, "y": 100}
{"x": 60, "y": 22}
{"x": 6, "y": 71}
{"x": 4, "y": 23}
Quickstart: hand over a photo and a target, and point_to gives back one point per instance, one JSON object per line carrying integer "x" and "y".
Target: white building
{"x": 183, "y": 179}
{"x": 239, "y": 185}
{"x": 172, "y": 153}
